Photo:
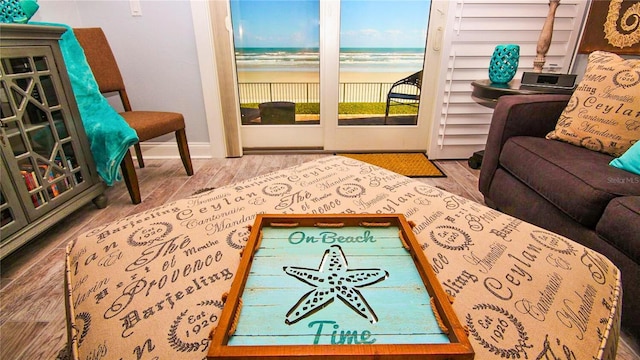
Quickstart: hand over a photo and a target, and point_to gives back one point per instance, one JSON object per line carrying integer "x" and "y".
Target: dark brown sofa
{"x": 564, "y": 188}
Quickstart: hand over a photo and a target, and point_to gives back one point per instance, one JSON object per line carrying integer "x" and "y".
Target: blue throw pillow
{"x": 17, "y": 11}
{"x": 630, "y": 160}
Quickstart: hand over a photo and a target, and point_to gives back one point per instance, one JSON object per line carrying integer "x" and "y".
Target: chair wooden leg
{"x": 130, "y": 178}
{"x": 139, "y": 155}
{"x": 183, "y": 147}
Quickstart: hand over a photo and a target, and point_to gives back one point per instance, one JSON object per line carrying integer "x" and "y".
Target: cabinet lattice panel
{"x": 47, "y": 167}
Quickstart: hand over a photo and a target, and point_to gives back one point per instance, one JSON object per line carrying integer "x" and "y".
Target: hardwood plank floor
{"x": 34, "y": 274}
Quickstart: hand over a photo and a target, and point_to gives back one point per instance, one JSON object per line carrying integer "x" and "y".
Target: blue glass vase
{"x": 504, "y": 63}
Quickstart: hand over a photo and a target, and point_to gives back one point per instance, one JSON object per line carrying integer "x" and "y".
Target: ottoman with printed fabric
{"x": 150, "y": 286}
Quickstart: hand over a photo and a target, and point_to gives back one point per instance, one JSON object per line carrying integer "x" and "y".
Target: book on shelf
{"x": 47, "y": 174}
{"x": 64, "y": 165}
{"x": 32, "y": 183}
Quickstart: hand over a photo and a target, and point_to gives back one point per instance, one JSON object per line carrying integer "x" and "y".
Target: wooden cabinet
{"x": 47, "y": 168}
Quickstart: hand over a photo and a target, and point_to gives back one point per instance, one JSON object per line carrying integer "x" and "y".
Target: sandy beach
{"x": 312, "y": 77}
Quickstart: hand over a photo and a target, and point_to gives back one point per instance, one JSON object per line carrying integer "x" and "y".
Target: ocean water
{"x": 351, "y": 59}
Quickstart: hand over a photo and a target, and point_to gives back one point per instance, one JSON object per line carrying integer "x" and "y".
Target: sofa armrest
{"x": 620, "y": 225}
{"x": 518, "y": 115}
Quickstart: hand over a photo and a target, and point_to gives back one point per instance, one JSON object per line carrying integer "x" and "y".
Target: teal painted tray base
{"x": 336, "y": 287}
{"x": 399, "y": 302}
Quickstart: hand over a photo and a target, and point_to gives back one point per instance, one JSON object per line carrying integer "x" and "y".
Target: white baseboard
{"x": 202, "y": 150}
{"x": 169, "y": 150}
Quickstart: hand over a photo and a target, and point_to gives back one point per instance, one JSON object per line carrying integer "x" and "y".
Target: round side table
{"x": 487, "y": 93}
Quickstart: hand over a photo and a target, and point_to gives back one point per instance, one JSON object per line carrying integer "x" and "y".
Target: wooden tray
{"x": 336, "y": 286}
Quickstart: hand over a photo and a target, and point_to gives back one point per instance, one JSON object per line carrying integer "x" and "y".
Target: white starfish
{"x": 333, "y": 279}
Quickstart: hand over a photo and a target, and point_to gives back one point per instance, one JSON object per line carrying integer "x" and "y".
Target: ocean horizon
{"x": 351, "y": 59}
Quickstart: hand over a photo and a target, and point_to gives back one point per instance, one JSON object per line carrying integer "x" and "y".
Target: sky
{"x": 295, "y": 23}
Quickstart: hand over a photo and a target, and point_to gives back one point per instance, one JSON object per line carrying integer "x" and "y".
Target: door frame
{"x": 224, "y": 139}
{"x": 213, "y": 32}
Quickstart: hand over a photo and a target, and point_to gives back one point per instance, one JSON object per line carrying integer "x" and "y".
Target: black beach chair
{"x": 404, "y": 92}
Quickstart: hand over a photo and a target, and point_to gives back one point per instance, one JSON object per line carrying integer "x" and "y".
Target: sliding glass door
{"x": 278, "y": 71}
{"x": 319, "y": 73}
{"x": 381, "y": 43}
{"x": 382, "y": 79}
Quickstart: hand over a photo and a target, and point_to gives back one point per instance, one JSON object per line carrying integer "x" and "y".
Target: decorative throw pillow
{"x": 603, "y": 113}
{"x": 630, "y": 160}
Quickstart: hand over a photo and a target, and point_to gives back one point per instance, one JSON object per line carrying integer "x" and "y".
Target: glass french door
{"x": 278, "y": 72}
{"x": 335, "y": 75}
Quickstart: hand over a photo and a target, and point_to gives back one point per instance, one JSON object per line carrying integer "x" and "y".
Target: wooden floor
{"x": 32, "y": 315}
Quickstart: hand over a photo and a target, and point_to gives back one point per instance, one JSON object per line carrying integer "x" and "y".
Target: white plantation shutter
{"x": 474, "y": 28}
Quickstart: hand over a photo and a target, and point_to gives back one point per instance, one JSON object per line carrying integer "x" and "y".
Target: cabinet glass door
{"x": 38, "y": 140}
{"x": 11, "y": 216}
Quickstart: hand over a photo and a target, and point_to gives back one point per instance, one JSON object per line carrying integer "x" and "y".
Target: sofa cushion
{"x": 603, "y": 113}
{"x": 578, "y": 181}
{"x": 620, "y": 225}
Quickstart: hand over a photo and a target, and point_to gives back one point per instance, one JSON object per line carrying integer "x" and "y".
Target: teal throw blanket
{"x": 109, "y": 134}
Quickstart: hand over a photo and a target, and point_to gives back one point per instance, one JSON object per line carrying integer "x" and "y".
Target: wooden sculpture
{"x": 544, "y": 41}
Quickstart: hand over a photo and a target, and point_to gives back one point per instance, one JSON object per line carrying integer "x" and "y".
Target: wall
{"x": 157, "y": 56}
{"x": 156, "y": 53}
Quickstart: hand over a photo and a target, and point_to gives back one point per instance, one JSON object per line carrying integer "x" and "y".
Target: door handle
{"x": 437, "y": 44}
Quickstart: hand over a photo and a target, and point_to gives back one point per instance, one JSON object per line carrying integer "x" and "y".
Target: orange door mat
{"x": 407, "y": 164}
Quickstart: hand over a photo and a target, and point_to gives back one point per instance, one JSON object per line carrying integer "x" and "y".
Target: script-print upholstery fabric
{"x": 602, "y": 114}
{"x": 149, "y": 286}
